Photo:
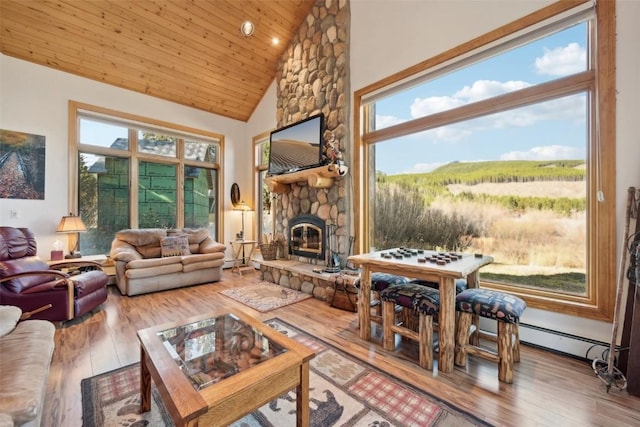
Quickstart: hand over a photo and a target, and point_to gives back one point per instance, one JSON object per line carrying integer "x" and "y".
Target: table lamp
{"x": 243, "y": 207}
{"x": 72, "y": 225}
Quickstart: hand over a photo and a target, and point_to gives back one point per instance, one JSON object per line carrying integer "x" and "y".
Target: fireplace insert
{"x": 307, "y": 237}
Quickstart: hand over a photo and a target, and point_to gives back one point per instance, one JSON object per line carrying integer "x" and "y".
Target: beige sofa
{"x": 25, "y": 357}
{"x": 150, "y": 260}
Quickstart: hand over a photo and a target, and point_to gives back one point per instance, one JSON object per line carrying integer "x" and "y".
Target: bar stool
{"x": 380, "y": 282}
{"x": 411, "y": 319}
{"x": 411, "y": 297}
{"x": 506, "y": 309}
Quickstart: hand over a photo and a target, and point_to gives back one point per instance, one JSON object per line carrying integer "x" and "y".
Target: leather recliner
{"x": 26, "y": 281}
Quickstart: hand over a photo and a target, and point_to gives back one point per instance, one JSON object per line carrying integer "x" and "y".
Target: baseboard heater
{"x": 590, "y": 352}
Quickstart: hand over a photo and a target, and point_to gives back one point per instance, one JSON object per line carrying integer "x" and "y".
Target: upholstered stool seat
{"x": 503, "y": 307}
{"x": 380, "y": 282}
{"x": 424, "y": 301}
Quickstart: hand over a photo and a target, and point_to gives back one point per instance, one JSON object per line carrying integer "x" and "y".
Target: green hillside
{"x": 494, "y": 172}
{"x": 434, "y": 184}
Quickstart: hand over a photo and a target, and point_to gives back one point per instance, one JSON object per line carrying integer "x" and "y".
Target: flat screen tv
{"x": 297, "y": 146}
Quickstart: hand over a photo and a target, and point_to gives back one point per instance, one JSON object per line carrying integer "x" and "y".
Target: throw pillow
{"x": 174, "y": 246}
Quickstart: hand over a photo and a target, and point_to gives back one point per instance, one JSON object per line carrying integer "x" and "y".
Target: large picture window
{"x": 496, "y": 149}
{"x": 134, "y": 172}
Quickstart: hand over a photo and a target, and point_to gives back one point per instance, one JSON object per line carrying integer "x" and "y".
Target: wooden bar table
{"x": 416, "y": 264}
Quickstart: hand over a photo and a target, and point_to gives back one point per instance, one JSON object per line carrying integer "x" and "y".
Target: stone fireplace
{"x": 312, "y": 78}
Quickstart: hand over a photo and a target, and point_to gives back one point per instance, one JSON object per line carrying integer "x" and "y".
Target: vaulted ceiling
{"x": 187, "y": 51}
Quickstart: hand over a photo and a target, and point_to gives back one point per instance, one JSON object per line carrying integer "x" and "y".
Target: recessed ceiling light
{"x": 275, "y": 41}
{"x": 246, "y": 28}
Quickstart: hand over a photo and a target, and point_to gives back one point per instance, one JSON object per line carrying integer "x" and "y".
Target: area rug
{"x": 344, "y": 391}
{"x": 265, "y": 296}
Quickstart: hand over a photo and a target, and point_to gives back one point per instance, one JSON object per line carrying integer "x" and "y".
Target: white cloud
{"x": 548, "y": 152}
{"x": 479, "y": 90}
{"x": 425, "y": 106}
{"x": 484, "y": 89}
{"x": 568, "y": 108}
{"x": 386, "y": 121}
{"x": 451, "y": 133}
{"x": 424, "y": 167}
{"x": 562, "y": 61}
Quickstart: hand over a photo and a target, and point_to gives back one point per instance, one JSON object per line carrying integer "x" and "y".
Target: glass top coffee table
{"x": 213, "y": 369}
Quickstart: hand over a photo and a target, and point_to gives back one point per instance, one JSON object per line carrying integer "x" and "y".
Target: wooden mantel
{"x": 319, "y": 177}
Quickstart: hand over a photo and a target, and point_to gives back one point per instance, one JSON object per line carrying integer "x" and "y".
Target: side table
{"x": 240, "y": 255}
{"x": 102, "y": 260}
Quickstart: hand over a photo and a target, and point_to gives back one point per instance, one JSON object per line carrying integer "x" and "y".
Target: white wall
{"x": 262, "y": 120}
{"x": 34, "y": 99}
{"x": 389, "y": 36}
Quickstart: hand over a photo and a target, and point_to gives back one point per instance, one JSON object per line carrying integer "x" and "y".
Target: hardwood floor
{"x": 548, "y": 389}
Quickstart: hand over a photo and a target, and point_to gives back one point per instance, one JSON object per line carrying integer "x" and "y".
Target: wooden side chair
{"x": 417, "y": 299}
{"x": 506, "y": 309}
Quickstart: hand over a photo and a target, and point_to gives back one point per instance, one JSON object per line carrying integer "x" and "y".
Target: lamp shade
{"x": 71, "y": 224}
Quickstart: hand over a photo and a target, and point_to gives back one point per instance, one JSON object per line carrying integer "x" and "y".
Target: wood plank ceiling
{"x": 187, "y": 51}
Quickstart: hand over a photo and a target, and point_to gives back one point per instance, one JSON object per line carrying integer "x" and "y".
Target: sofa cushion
{"x": 210, "y": 246}
{"x": 150, "y": 251}
{"x": 174, "y": 246}
{"x": 203, "y": 265}
{"x": 135, "y": 273}
{"x": 9, "y": 316}
{"x": 152, "y": 262}
{"x": 142, "y": 237}
{"x": 89, "y": 282}
{"x": 122, "y": 251}
{"x": 195, "y": 235}
{"x": 26, "y": 353}
{"x": 196, "y": 258}
{"x": 16, "y": 243}
{"x": 6, "y": 420}
{"x": 25, "y": 265}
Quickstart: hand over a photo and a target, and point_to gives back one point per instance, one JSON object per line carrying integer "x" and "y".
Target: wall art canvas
{"x": 22, "y": 161}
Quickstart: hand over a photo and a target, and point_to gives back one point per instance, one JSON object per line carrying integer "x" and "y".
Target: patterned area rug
{"x": 265, "y": 296}
{"x": 343, "y": 392}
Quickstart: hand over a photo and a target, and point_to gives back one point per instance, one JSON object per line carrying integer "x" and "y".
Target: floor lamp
{"x": 242, "y": 207}
{"x": 72, "y": 225}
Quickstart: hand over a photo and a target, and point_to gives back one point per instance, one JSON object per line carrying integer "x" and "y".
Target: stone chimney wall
{"x": 313, "y": 77}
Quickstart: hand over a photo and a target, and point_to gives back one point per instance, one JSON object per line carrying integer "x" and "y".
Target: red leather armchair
{"x": 26, "y": 281}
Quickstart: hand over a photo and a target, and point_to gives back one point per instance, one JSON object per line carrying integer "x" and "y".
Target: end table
{"x": 240, "y": 257}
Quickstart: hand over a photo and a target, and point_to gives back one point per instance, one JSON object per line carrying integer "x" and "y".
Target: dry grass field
{"x": 524, "y": 242}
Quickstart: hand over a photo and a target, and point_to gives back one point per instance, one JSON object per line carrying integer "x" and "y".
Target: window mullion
{"x": 521, "y": 98}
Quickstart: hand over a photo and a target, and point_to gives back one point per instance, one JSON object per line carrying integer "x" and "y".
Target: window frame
{"x": 79, "y": 110}
{"x": 601, "y": 275}
{"x": 258, "y": 183}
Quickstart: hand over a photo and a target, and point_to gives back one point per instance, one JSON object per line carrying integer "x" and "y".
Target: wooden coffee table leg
{"x": 145, "y": 383}
{"x": 302, "y": 397}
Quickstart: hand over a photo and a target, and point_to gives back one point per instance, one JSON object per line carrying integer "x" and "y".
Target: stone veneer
{"x": 300, "y": 276}
{"x": 313, "y": 77}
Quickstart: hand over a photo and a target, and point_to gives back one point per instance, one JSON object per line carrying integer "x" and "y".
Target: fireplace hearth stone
{"x": 301, "y": 276}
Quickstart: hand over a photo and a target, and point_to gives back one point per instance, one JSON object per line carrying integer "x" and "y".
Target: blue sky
{"x": 547, "y": 131}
